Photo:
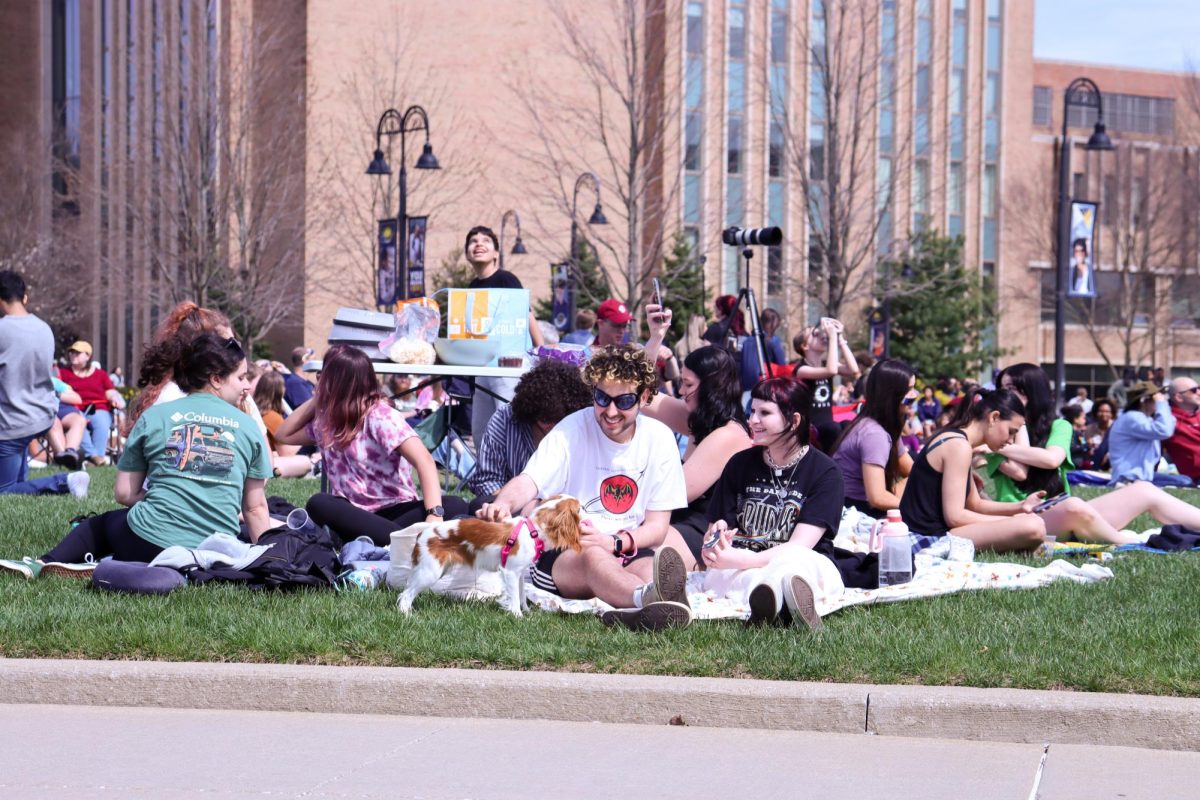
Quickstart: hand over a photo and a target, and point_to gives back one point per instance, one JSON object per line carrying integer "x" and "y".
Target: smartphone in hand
{"x": 712, "y": 540}
{"x": 1050, "y": 503}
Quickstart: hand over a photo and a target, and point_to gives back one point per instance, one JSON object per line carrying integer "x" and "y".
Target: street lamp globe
{"x": 427, "y": 160}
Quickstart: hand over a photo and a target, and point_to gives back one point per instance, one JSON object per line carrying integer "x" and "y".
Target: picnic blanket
{"x": 941, "y": 570}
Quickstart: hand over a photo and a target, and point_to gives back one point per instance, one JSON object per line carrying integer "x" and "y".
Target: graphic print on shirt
{"x": 766, "y": 517}
{"x": 204, "y": 450}
{"x": 822, "y": 393}
{"x": 617, "y": 494}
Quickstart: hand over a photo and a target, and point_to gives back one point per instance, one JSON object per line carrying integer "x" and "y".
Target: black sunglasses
{"x": 623, "y": 401}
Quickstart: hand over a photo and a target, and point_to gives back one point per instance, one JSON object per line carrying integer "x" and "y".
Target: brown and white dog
{"x": 509, "y": 547}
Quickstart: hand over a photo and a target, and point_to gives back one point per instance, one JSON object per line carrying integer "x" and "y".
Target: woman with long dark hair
{"x": 1039, "y": 459}
{"x": 709, "y": 412}
{"x": 941, "y": 497}
{"x": 869, "y": 453}
{"x": 774, "y": 513}
{"x": 824, "y": 354}
{"x": 369, "y": 453}
{"x": 205, "y": 460}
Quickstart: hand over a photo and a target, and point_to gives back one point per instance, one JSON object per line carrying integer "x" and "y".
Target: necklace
{"x": 791, "y": 462}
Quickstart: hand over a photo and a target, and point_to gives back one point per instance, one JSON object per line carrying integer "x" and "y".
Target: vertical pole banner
{"x": 1081, "y": 266}
{"x": 385, "y": 274}
{"x": 878, "y": 323}
{"x": 561, "y": 313}
{"x": 417, "y": 227}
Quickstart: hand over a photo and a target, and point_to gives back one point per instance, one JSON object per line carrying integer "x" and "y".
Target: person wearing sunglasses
{"x": 624, "y": 469}
{"x": 1183, "y": 446}
{"x": 824, "y": 354}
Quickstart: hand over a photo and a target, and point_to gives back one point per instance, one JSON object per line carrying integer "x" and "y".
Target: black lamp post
{"x": 1082, "y": 92}
{"x": 518, "y": 246}
{"x": 597, "y": 218}
{"x": 392, "y": 122}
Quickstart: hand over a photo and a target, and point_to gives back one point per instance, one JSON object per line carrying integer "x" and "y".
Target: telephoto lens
{"x": 745, "y": 237}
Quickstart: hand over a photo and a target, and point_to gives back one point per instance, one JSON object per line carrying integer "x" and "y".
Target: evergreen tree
{"x": 591, "y": 287}
{"x": 682, "y": 279}
{"x": 943, "y": 315}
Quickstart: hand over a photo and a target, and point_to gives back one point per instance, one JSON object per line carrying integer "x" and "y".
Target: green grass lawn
{"x": 1135, "y": 633}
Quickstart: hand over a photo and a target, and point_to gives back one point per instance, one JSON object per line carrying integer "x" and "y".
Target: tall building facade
{"x": 851, "y": 124}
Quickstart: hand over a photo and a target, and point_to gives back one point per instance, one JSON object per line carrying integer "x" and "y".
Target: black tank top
{"x": 921, "y": 503}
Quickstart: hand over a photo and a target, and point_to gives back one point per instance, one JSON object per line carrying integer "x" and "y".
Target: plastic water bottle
{"x": 357, "y": 580}
{"x": 895, "y": 551}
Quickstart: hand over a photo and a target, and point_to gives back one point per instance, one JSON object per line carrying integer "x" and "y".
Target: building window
{"x": 1112, "y": 295}
{"x": 1129, "y": 113}
{"x": 693, "y": 143}
{"x": 1042, "y": 113}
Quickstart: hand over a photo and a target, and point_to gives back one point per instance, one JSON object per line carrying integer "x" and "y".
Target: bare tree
{"x": 386, "y": 77}
{"x": 621, "y": 132}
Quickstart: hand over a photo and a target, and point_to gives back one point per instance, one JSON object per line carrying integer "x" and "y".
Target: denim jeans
{"x": 14, "y": 469}
{"x": 95, "y": 438}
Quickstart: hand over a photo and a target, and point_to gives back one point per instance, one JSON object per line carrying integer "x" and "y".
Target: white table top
{"x": 390, "y": 368}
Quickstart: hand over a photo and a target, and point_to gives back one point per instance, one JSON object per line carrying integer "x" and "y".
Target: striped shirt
{"x": 506, "y": 447}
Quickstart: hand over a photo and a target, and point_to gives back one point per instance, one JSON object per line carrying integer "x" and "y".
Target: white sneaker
{"x": 78, "y": 483}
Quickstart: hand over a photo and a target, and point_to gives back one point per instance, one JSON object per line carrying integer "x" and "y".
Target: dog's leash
{"x": 539, "y": 546}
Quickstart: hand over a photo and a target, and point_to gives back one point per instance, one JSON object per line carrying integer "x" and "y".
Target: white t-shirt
{"x": 615, "y": 483}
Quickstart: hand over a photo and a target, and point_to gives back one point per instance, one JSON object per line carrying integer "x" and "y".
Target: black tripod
{"x": 746, "y": 294}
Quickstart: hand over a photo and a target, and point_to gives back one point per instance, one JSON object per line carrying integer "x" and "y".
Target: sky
{"x": 1152, "y": 34}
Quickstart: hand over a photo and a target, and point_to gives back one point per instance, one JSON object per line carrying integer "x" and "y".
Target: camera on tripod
{"x": 746, "y": 237}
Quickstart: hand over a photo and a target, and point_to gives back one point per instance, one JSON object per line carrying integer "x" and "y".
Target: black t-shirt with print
{"x": 766, "y": 508}
{"x": 500, "y": 279}
{"x": 822, "y": 401}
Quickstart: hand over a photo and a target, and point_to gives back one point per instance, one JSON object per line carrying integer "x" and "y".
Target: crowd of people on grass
{"x": 709, "y": 464}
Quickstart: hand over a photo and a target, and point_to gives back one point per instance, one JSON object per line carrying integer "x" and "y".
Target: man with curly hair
{"x": 547, "y": 393}
{"x": 624, "y": 469}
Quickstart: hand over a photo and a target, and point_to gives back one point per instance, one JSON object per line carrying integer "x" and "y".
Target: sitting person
{"x": 1073, "y": 413}
{"x": 709, "y": 413}
{"x": 369, "y": 453}
{"x": 769, "y": 322}
{"x": 205, "y": 461}
{"x": 98, "y": 399}
{"x": 585, "y": 321}
{"x": 774, "y": 513}
{"x": 1104, "y": 413}
{"x": 1039, "y": 458}
{"x": 824, "y": 354}
{"x": 941, "y": 496}
{"x": 1135, "y": 441}
{"x": 1183, "y": 446}
{"x": 67, "y": 431}
{"x": 872, "y": 459}
{"x": 286, "y": 459}
{"x": 624, "y": 469}
{"x": 913, "y": 429}
{"x": 544, "y": 396}
{"x": 27, "y": 398}
{"x": 929, "y": 408}
{"x": 298, "y": 389}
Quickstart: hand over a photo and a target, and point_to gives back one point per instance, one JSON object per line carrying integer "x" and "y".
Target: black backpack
{"x": 296, "y": 558}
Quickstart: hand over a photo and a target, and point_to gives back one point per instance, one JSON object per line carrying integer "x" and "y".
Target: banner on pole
{"x": 1081, "y": 265}
{"x": 385, "y": 273}
{"x": 417, "y": 228}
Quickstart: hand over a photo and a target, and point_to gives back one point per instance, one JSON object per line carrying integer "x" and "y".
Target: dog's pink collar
{"x": 538, "y": 545}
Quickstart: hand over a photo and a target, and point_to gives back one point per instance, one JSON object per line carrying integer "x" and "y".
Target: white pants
{"x": 818, "y": 572}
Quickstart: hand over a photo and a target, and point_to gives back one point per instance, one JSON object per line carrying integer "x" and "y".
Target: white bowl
{"x": 466, "y": 352}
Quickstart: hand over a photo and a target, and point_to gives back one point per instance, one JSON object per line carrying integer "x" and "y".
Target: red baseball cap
{"x": 614, "y": 311}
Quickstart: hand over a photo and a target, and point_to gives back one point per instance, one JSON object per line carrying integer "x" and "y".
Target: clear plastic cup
{"x": 297, "y": 518}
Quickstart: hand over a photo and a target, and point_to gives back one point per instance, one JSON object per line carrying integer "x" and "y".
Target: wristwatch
{"x": 436, "y": 511}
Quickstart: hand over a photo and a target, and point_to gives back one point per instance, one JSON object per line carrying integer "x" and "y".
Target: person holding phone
{"x": 1036, "y": 460}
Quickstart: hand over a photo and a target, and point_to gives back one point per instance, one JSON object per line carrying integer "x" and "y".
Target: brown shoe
{"x": 798, "y": 596}
{"x": 653, "y": 617}
{"x": 670, "y": 578}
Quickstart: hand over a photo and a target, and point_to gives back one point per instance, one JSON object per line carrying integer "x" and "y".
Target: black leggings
{"x": 108, "y": 534}
{"x": 347, "y": 521}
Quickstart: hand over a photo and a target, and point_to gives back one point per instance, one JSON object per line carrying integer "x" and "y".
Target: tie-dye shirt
{"x": 370, "y": 472}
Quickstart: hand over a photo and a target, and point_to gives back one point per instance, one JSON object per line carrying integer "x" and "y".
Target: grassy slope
{"x": 1136, "y": 633}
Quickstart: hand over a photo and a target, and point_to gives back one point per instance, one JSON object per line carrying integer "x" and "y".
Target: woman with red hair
{"x": 369, "y": 453}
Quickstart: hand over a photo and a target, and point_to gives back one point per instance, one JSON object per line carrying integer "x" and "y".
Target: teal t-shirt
{"x": 197, "y": 453}
{"x": 1005, "y": 489}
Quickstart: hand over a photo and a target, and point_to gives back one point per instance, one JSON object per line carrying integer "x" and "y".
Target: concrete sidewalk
{"x": 79, "y": 752}
{"x": 998, "y": 715}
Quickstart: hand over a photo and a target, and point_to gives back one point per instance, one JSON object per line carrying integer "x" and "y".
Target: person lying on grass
{"x": 774, "y": 513}
{"x": 369, "y": 453}
{"x": 624, "y": 469}
{"x": 941, "y": 497}
{"x": 1039, "y": 459}
{"x": 205, "y": 460}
